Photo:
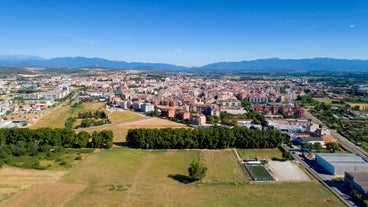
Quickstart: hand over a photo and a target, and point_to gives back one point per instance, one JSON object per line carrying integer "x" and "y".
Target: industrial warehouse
{"x": 339, "y": 163}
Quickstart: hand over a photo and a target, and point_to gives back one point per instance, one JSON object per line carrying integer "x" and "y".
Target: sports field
{"x": 130, "y": 177}
{"x": 258, "y": 173}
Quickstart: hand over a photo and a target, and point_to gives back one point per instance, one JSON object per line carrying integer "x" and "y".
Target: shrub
{"x": 197, "y": 171}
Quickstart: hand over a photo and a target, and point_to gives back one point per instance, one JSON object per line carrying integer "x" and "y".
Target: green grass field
{"x": 259, "y": 153}
{"x": 127, "y": 177}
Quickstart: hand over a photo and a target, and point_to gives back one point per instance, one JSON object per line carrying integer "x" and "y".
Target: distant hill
{"x": 75, "y": 62}
{"x": 260, "y": 65}
{"x": 275, "y": 64}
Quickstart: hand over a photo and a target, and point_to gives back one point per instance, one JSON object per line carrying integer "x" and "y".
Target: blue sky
{"x": 188, "y": 32}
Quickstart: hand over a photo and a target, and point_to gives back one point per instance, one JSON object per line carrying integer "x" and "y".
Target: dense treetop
{"x": 213, "y": 138}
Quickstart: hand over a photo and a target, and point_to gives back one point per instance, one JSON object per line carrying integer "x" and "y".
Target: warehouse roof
{"x": 361, "y": 178}
{"x": 341, "y": 158}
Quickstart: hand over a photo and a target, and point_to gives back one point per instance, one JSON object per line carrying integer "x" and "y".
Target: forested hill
{"x": 260, "y": 65}
{"x": 275, "y": 64}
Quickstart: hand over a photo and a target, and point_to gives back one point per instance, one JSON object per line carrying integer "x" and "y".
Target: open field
{"x": 124, "y": 116}
{"x": 222, "y": 166}
{"x": 15, "y": 180}
{"x": 129, "y": 177}
{"x": 45, "y": 195}
{"x": 55, "y": 118}
{"x": 120, "y": 130}
{"x": 363, "y": 106}
{"x": 324, "y": 100}
{"x": 259, "y": 153}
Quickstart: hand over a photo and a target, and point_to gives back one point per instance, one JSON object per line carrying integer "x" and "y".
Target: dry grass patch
{"x": 93, "y": 106}
{"x": 124, "y": 116}
{"x": 127, "y": 177}
{"x": 154, "y": 123}
{"x": 45, "y": 195}
{"x": 362, "y": 106}
{"x": 120, "y": 130}
{"x": 324, "y": 100}
{"x": 14, "y": 180}
{"x": 222, "y": 166}
{"x": 56, "y": 118}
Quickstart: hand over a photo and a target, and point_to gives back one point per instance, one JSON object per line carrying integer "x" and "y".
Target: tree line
{"x": 212, "y": 138}
{"x": 21, "y": 141}
{"x": 89, "y": 114}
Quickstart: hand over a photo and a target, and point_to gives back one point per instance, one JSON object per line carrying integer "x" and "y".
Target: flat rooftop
{"x": 341, "y": 158}
{"x": 361, "y": 178}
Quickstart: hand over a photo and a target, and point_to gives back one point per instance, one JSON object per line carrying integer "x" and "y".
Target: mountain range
{"x": 260, "y": 65}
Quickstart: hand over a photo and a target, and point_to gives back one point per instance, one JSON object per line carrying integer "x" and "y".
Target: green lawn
{"x": 259, "y": 153}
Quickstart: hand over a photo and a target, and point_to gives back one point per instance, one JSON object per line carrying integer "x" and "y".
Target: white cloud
{"x": 352, "y": 26}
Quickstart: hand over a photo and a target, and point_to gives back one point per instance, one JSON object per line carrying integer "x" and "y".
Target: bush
{"x": 78, "y": 157}
{"x": 287, "y": 156}
{"x": 197, "y": 171}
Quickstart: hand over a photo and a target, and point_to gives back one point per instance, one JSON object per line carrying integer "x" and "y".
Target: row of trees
{"x": 93, "y": 122}
{"x": 213, "y": 138}
{"x": 45, "y": 138}
{"x": 99, "y": 114}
